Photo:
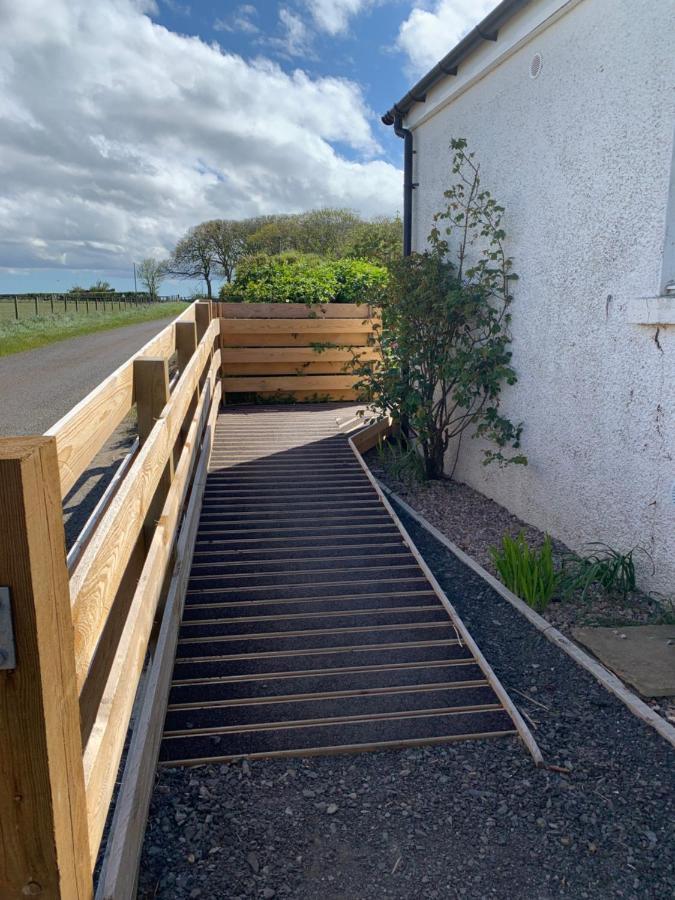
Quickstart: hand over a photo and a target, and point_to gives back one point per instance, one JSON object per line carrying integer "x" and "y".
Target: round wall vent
{"x": 535, "y": 65}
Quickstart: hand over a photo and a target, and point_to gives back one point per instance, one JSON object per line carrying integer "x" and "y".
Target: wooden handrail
{"x": 98, "y": 576}
{"x": 106, "y": 741}
{"x": 83, "y": 431}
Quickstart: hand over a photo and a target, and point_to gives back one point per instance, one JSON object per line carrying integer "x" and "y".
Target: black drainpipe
{"x": 408, "y": 185}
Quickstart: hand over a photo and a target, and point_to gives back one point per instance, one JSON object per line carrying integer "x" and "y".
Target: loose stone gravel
{"x": 471, "y": 820}
{"x": 475, "y": 524}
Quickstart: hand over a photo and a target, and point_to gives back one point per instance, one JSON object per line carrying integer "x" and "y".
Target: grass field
{"x": 30, "y": 333}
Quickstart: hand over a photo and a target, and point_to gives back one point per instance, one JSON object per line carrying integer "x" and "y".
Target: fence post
{"x": 202, "y": 317}
{"x": 151, "y": 390}
{"x": 16, "y": 307}
{"x": 36, "y": 305}
{"x": 186, "y": 342}
{"x": 43, "y": 819}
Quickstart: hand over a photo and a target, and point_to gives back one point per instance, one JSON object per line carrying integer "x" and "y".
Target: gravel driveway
{"x": 39, "y": 386}
{"x": 472, "y": 820}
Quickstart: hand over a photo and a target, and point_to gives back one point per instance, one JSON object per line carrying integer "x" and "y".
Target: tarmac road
{"x": 37, "y": 387}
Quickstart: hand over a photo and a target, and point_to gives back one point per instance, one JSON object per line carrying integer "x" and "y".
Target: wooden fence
{"x": 279, "y": 349}
{"x": 77, "y": 633}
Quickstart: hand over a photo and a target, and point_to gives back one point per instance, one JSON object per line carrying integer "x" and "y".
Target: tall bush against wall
{"x": 444, "y": 342}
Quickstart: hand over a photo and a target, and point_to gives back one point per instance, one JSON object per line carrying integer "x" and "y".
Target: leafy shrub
{"x": 611, "y": 570}
{"x": 444, "y": 343}
{"x": 380, "y": 241}
{"x": 305, "y": 278}
{"x": 526, "y": 572}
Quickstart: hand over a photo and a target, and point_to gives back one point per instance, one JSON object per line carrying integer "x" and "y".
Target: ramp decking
{"x": 309, "y": 625}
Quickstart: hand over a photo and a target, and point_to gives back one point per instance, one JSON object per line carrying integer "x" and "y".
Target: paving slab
{"x": 642, "y": 655}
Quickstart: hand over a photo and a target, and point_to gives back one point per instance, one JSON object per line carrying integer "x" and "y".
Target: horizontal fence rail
{"x": 294, "y": 350}
{"x": 78, "y": 631}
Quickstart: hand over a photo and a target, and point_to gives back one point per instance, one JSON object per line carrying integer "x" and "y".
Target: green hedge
{"x": 304, "y": 278}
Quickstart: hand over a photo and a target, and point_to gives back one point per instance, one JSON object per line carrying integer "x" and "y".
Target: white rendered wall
{"x": 581, "y": 157}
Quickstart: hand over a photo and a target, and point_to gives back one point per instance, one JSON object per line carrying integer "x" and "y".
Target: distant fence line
{"x": 17, "y": 306}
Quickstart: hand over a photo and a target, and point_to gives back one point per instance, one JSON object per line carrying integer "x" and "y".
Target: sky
{"x": 125, "y": 122}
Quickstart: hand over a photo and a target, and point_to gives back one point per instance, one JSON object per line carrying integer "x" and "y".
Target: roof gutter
{"x": 487, "y": 30}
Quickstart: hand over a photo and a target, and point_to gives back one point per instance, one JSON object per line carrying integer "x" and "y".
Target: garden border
{"x": 606, "y": 678}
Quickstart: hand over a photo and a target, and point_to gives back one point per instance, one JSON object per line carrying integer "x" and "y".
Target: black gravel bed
{"x": 473, "y": 819}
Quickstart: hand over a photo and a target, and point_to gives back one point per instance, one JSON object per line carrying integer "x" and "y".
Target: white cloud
{"x": 296, "y": 39}
{"x": 333, "y": 15}
{"x": 428, "y": 34}
{"x": 118, "y": 134}
{"x": 241, "y": 20}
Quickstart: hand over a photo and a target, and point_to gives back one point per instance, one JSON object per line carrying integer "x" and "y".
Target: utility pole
{"x": 135, "y": 290}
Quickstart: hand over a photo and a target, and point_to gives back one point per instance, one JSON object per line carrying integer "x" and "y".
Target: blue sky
{"x": 366, "y": 52}
{"x": 125, "y": 122}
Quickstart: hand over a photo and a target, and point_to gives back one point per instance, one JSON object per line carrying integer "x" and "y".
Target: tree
{"x": 273, "y": 234}
{"x": 194, "y": 256}
{"x": 380, "y": 240}
{"x": 444, "y": 341}
{"x": 325, "y": 231}
{"x": 151, "y": 272}
{"x": 228, "y": 239}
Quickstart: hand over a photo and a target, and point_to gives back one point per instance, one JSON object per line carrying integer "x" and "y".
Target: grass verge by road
{"x": 28, "y": 334}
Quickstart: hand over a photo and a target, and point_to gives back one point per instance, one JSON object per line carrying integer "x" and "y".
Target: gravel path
{"x": 39, "y": 386}
{"x": 471, "y": 820}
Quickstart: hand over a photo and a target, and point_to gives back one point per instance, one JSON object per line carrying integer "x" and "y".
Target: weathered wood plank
{"x": 44, "y": 846}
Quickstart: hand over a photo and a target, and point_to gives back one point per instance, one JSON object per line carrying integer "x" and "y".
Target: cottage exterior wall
{"x": 581, "y": 157}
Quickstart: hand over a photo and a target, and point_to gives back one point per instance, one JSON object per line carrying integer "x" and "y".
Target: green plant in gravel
{"x": 444, "y": 342}
{"x": 305, "y": 278}
{"x": 401, "y": 462}
{"x": 529, "y": 573}
{"x": 603, "y": 566}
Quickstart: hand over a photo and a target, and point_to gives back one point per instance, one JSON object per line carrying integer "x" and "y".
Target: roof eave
{"x": 487, "y": 30}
